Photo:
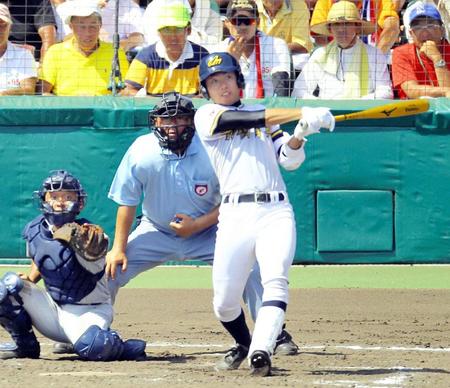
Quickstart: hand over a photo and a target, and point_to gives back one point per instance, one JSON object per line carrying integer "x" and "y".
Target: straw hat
{"x": 341, "y": 12}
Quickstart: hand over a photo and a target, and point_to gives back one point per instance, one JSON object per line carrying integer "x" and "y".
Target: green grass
{"x": 312, "y": 276}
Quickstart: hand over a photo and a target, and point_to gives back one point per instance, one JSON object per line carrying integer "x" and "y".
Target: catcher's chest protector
{"x": 66, "y": 280}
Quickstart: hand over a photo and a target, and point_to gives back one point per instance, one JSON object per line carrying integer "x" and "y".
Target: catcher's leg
{"x": 97, "y": 344}
{"x": 16, "y": 321}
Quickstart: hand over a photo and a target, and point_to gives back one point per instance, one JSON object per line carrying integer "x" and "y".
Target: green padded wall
{"x": 399, "y": 169}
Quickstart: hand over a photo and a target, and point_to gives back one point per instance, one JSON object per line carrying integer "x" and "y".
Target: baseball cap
{"x": 241, "y": 5}
{"x": 173, "y": 15}
{"x": 420, "y": 9}
{"x": 4, "y": 14}
{"x": 80, "y": 8}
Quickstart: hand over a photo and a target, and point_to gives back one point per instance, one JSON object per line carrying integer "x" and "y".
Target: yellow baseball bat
{"x": 389, "y": 111}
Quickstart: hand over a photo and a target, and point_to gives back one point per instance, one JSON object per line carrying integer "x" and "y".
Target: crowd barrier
{"x": 374, "y": 191}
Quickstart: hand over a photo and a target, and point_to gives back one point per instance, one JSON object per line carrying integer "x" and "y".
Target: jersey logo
{"x": 214, "y": 61}
{"x": 201, "y": 190}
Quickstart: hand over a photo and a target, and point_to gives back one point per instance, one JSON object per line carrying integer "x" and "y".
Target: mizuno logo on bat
{"x": 388, "y": 112}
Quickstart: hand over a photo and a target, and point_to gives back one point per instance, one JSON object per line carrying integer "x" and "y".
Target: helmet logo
{"x": 201, "y": 190}
{"x": 214, "y": 61}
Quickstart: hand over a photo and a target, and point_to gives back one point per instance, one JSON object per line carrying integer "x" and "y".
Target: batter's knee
{"x": 226, "y": 313}
{"x": 276, "y": 289}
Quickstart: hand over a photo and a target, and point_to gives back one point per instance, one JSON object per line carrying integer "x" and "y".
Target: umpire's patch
{"x": 201, "y": 189}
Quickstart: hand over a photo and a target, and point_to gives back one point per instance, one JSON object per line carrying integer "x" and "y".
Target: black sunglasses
{"x": 245, "y": 20}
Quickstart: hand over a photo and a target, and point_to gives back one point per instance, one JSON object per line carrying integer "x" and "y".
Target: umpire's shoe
{"x": 233, "y": 359}
{"x": 260, "y": 363}
{"x": 285, "y": 346}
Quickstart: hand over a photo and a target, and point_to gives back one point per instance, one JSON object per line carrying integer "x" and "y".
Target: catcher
{"x": 75, "y": 307}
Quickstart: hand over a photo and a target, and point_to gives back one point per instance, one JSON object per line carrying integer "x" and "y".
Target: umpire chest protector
{"x": 66, "y": 280}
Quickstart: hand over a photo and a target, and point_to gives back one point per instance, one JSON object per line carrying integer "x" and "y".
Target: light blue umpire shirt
{"x": 165, "y": 183}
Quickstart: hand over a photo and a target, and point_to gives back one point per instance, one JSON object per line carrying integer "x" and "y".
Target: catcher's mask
{"x": 60, "y": 180}
{"x": 172, "y": 105}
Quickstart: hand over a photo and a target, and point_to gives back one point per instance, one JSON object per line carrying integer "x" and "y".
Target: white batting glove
{"x": 312, "y": 120}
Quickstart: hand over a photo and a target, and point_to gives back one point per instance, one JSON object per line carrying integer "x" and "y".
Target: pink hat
{"x": 4, "y": 14}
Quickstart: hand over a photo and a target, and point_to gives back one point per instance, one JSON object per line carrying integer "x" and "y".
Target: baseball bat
{"x": 389, "y": 111}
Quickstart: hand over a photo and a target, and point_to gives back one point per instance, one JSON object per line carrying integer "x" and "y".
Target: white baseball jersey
{"x": 235, "y": 155}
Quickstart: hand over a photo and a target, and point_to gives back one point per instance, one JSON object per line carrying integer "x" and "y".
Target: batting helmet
{"x": 219, "y": 63}
{"x": 60, "y": 180}
{"x": 172, "y": 104}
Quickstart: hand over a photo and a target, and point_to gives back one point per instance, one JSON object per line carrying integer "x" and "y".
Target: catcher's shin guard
{"x": 105, "y": 345}
{"x": 16, "y": 321}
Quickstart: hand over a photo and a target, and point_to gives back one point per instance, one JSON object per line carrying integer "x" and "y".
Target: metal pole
{"x": 115, "y": 67}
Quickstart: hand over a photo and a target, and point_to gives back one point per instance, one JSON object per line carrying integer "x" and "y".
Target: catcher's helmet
{"x": 59, "y": 180}
{"x": 219, "y": 63}
{"x": 172, "y": 104}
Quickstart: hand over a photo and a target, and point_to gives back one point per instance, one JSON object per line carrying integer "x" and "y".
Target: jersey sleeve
{"x": 206, "y": 119}
{"x": 126, "y": 188}
{"x": 288, "y": 158}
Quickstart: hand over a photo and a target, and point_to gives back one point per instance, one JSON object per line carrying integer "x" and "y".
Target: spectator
{"x": 380, "y": 12}
{"x": 265, "y": 61}
{"x": 33, "y": 25}
{"x": 170, "y": 64}
{"x": 18, "y": 72}
{"x": 206, "y": 25}
{"x": 81, "y": 65}
{"x": 422, "y": 68}
{"x": 346, "y": 67}
{"x": 130, "y": 23}
{"x": 129, "y": 26}
{"x": 288, "y": 20}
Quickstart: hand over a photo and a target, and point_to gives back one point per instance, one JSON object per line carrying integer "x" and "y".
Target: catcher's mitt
{"x": 88, "y": 240}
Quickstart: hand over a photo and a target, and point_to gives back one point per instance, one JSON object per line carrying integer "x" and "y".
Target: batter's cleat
{"x": 63, "y": 348}
{"x": 233, "y": 359}
{"x": 260, "y": 363}
{"x": 285, "y": 346}
{"x": 10, "y": 350}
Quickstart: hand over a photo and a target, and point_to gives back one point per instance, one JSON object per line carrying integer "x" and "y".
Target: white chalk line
{"x": 302, "y": 347}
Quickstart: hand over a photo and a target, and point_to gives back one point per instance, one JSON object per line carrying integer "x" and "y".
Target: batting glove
{"x": 312, "y": 120}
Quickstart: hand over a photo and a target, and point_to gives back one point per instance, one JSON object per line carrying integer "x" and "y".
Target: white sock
{"x": 268, "y": 326}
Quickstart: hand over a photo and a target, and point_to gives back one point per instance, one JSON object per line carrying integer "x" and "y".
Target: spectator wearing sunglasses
{"x": 422, "y": 68}
{"x": 265, "y": 61}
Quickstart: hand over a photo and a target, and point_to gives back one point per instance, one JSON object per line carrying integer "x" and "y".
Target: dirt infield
{"x": 347, "y": 337}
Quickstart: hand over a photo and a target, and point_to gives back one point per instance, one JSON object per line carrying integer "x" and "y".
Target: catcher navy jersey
{"x": 235, "y": 155}
{"x": 166, "y": 183}
{"x": 67, "y": 277}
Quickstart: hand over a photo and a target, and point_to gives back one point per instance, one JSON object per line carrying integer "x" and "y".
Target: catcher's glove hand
{"x": 88, "y": 240}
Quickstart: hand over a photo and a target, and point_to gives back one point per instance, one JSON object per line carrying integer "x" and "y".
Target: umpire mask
{"x": 172, "y": 106}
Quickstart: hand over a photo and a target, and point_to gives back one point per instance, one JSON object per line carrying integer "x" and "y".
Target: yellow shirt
{"x": 385, "y": 8}
{"x": 73, "y": 74}
{"x": 290, "y": 24}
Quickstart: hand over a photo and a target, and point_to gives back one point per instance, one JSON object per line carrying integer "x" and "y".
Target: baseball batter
{"x": 75, "y": 306}
{"x": 256, "y": 221}
{"x": 169, "y": 171}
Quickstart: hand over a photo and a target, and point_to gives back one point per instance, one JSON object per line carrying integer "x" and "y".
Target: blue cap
{"x": 420, "y": 9}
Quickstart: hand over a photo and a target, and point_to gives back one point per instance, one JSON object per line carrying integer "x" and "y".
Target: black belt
{"x": 255, "y": 197}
